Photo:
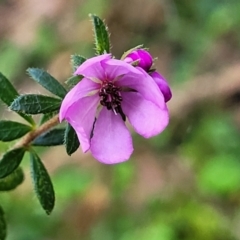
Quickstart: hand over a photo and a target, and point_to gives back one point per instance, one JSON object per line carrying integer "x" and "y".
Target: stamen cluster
{"x": 110, "y": 97}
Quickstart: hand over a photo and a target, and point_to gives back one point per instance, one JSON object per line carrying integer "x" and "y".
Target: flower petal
{"x": 146, "y": 118}
{"x": 111, "y": 142}
{"x": 114, "y": 68}
{"x": 145, "y": 85}
{"x": 81, "y": 116}
{"x": 163, "y": 85}
{"x": 82, "y": 89}
{"x": 93, "y": 67}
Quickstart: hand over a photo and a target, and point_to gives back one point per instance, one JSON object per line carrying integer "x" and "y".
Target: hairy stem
{"x": 29, "y": 137}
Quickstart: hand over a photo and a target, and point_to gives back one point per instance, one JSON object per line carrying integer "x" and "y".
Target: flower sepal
{"x": 125, "y": 54}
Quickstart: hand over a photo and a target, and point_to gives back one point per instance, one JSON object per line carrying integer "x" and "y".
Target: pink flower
{"x": 145, "y": 62}
{"x": 111, "y": 91}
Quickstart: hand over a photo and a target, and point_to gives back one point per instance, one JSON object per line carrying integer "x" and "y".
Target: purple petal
{"x": 163, "y": 85}
{"x": 111, "y": 142}
{"x": 93, "y": 67}
{"x": 144, "y": 57}
{"x": 82, "y": 89}
{"x": 128, "y": 60}
{"x": 81, "y": 116}
{"x": 143, "y": 84}
{"x": 114, "y": 68}
{"x": 146, "y": 118}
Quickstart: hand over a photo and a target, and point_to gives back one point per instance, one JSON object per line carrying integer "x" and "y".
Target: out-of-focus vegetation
{"x": 181, "y": 185}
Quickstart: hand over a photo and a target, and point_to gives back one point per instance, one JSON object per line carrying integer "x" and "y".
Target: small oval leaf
{"x": 53, "y": 137}
{"x": 10, "y": 161}
{"x": 10, "y": 130}
{"x": 47, "y": 117}
{"x": 101, "y": 35}
{"x": 3, "y": 225}
{"x": 74, "y": 80}
{"x": 47, "y": 81}
{"x": 71, "y": 140}
{"x": 76, "y": 61}
{"x": 12, "y": 181}
{"x": 35, "y": 104}
{"x": 8, "y": 93}
{"x": 42, "y": 183}
{"x": 28, "y": 118}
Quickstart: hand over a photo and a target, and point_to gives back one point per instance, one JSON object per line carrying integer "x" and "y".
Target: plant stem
{"x": 29, "y": 137}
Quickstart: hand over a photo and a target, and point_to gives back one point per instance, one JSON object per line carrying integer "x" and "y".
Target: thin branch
{"x": 29, "y": 137}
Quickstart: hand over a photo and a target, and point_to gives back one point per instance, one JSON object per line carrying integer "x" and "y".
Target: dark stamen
{"x": 110, "y": 97}
{"x": 121, "y": 113}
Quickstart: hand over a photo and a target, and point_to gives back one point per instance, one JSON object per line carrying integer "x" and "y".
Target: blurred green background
{"x": 181, "y": 185}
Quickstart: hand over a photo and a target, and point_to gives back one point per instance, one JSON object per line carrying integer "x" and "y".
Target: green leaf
{"x": 10, "y": 161}
{"x": 10, "y": 130}
{"x": 27, "y": 118}
{"x": 12, "y": 181}
{"x": 47, "y": 81}
{"x": 3, "y": 225}
{"x": 101, "y": 35}
{"x": 76, "y": 61}
{"x": 35, "y": 104}
{"x": 42, "y": 183}
{"x": 53, "y": 137}
{"x": 8, "y": 93}
{"x": 47, "y": 117}
{"x": 71, "y": 140}
{"x": 74, "y": 80}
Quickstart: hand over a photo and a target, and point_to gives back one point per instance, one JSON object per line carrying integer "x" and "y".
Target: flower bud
{"x": 141, "y": 55}
{"x": 163, "y": 85}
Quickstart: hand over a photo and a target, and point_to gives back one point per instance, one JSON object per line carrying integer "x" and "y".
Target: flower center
{"x": 110, "y": 97}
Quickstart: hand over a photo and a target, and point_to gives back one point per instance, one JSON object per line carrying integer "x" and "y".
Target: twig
{"x": 29, "y": 137}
